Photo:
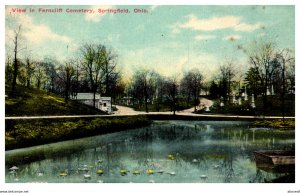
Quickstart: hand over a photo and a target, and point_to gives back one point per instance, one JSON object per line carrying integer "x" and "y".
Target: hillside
{"x": 30, "y": 102}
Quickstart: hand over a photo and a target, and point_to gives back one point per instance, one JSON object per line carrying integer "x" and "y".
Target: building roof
{"x": 105, "y": 98}
{"x": 87, "y": 96}
{"x": 90, "y": 96}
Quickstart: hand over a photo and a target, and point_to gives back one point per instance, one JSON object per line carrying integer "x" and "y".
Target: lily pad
{"x": 14, "y": 168}
{"x": 171, "y": 157}
{"x": 195, "y": 161}
{"x": 87, "y": 176}
{"x": 136, "y": 172}
{"x": 171, "y": 173}
{"x": 123, "y": 172}
{"x": 100, "y": 172}
{"x": 149, "y": 171}
{"x": 63, "y": 174}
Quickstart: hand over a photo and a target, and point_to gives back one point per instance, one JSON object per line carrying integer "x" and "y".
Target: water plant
{"x": 123, "y": 172}
{"x": 171, "y": 157}
{"x": 99, "y": 172}
{"x": 149, "y": 171}
{"x": 136, "y": 172}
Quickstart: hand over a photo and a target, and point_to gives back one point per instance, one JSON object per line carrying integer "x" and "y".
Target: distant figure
{"x": 221, "y": 102}
{"x": 252, "y": 102}
{"x": 239, "y": 101}
{"x": 246, "y": 96}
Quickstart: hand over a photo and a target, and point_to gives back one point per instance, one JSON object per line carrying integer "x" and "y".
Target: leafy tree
{"x": 22, "y": 78}
{"x": 8, "y": 69}
{"x": 214, "y": 90}
{"x": 29, "y": 68}
{"x": 39, "y": 75}
{"x": 253, "y": 82}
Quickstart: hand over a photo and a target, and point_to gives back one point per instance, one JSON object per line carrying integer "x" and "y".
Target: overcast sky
{"x": 170, "y": 39}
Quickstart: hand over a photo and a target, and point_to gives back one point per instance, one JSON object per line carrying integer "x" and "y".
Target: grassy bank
{"x": 286, "y": 124}
{"x": 25, "y": 133}
{"x": 30, "y": 102}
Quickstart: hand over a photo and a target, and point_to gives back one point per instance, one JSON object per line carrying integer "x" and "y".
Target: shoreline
{"x": 158, "y": 115}
{"x": 29, "y": 131}
{"x": 43, "y": 151}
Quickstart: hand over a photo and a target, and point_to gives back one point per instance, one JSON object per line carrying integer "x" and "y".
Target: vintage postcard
{"x": 172, "y": 94}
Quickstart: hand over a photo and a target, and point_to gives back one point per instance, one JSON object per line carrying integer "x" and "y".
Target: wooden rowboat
{"x": 275, "y": 161}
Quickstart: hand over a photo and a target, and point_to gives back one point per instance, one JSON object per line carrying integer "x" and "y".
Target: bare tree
{"x": 159, "y": 84}
{"x": 192, "y": 83}
{"x": 262, "y": 60}
{"x": 144, "y": 85}
{"x": 17, "y": 33}
{"x": 67, "y": 75}
{"x": 108, "y": 69}
{"x": 290, "y": 76}
{"x": 93, "y": 60}
{"x": 172, "y": 90}
{"x": 227, "y": 73}
{"x": 284, "y": 58}
{"x": 50, "y": 66}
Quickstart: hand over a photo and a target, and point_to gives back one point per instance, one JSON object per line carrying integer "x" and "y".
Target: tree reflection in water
{"x": 176, "y": 151}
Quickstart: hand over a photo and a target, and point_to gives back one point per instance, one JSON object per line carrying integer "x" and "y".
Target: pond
{"x": 165, "y": 152}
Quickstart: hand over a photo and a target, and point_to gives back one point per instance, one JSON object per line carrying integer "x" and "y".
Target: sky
{"x": 169, "y": 39}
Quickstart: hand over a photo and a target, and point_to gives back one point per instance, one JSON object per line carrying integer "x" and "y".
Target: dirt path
{"x": 123, "y": 111}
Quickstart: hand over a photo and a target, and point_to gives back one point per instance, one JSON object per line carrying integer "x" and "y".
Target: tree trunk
{"x": 146, "y": 102}
{"x": 106, "y": 80}
{"x": 174, "y": 99}
{"x": 15, "y": 74}
{"x": 283, "y": 91}
{"x": 265, "y": 92}
{"x": 94, "y": 98}
{"x": 28, "y": 83}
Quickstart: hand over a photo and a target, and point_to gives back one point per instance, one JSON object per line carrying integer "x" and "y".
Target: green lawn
{"x": 30, "y": 132}
{"x": 29, "y": 102}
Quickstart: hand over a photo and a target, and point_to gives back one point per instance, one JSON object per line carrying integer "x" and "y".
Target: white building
{"x": 102, "y": 103}
{"x": 105, "y": 104}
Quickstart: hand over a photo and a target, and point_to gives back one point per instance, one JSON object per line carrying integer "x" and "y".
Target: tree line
{"x": 95, "y": 70}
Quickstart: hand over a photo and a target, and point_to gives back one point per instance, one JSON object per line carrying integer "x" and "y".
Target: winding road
{"x": 127, "y": 111}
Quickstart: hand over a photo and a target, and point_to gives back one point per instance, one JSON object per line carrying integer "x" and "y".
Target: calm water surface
{"x": 165, "y": 152}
